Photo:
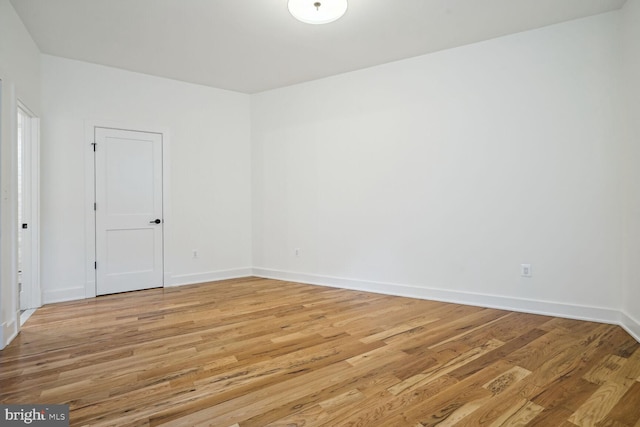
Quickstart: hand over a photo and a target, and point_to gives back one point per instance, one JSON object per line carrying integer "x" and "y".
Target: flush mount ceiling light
{"x": 317, "y": 11}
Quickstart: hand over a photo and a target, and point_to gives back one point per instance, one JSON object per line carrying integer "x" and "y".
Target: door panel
{"x": 28, "y": 215}
{"x": 24, "y": 208}
{"x": 128, "y": 201}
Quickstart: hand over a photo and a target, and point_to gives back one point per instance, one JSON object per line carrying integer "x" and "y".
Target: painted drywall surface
{"x": 20, "y": 75}
{"x": 631, "y": 92}
{"x": 448, "y": 171}
{"x": 209, "y": 168}
{"x": 19, "y": 57}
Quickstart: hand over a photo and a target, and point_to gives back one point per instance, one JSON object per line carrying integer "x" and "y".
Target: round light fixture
{"x": 317, "y": 11}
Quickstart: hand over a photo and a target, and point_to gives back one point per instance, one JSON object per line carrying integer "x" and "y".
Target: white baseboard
{"x": 210, "y": 276}
{"x": 61, "y": 295}
{"x": 25, "y": 315}
{"x": 631, "y": 325}
{"x": 90, "y": 289}
{"x": 8, "y": 332}
{"x": 595, "y": 314}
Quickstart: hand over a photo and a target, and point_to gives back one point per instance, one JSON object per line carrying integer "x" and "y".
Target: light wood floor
{"x": 256, "y": 352}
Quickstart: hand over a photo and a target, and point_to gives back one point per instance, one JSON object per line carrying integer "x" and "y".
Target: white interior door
{"x": 24, "y": 250}
{"x": 129, "y": 226}
{"x": 28, "y": 208}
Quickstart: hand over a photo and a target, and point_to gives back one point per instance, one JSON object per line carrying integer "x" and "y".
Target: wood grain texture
{"x": 256, "y": 352}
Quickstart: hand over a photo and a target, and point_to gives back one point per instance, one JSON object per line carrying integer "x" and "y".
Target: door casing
{"x": 89, "y": 197}
{"x": 32, "y": 291}
{"x": 129, "y": 227}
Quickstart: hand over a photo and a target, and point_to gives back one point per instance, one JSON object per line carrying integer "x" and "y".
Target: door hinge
{"x": 95, "y": 265}
{"x": 95, "y": 206}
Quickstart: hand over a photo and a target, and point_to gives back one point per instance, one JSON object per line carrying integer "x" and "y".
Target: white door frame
{"x": 9, "y": 296}
{"x": 33, "y": 291}
{"x": 90, "y": 216}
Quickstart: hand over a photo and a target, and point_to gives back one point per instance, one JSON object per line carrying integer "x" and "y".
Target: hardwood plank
{"x": 609, "y": 365}
{"x": 380, "y": 409}
{"x": 606, "y": 397}
{"x": 497, "y": 354}
{"x": 627, "y": 410}
{"x": 463, "y": 414}
{"x": 518, "y": 414}
{"x": 255, "y": 352}
{"x": 571, "y": 390}
{"x": 502, "y": 403}
{"x": 598, "y": 405}
{"x": 424, "y": 378}
{"x": 448, "y": 403}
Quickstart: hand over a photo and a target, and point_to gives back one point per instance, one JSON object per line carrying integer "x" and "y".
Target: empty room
{"x": 320, "y": 213}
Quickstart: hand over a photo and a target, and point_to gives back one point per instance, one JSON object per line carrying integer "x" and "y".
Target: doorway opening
{"x": 28, "y": 224}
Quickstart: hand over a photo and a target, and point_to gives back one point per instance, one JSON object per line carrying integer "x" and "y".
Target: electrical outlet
{"x": 297, "y": 252}
{"x": 525, "y": 270}
{"x": 195, "y": 254}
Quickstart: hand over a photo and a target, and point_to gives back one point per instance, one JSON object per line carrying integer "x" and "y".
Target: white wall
{"x": 438, "y": 176}
{"x": 631, "y": 92}
{"x": 20, "y": 75}
{"x": 433, "y": 177}
{"x": 209, "y": 170}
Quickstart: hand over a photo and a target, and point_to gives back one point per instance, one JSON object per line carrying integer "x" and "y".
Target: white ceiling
{"x": 255, "y": 45}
